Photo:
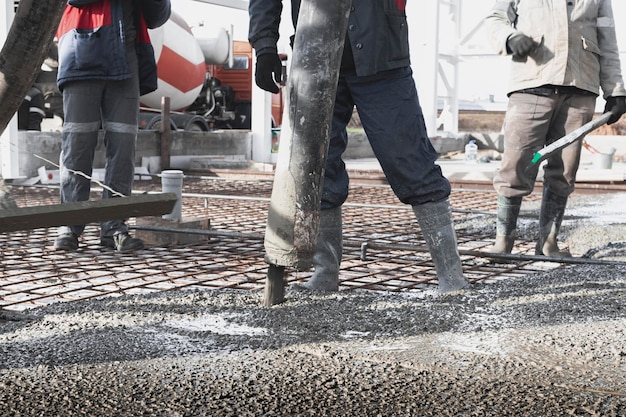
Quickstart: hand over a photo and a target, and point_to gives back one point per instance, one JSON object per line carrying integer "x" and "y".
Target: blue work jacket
{"x": 377, "y": 32}
{"x": 91, "y": 41}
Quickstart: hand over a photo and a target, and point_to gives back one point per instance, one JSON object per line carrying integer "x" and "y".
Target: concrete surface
{"x": 549, "y": 344}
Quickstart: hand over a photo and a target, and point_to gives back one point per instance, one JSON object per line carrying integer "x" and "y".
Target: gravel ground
{"x": 550, "y": 344}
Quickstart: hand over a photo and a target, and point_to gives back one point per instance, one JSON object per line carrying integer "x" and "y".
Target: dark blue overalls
{"x": 392, "y": 118}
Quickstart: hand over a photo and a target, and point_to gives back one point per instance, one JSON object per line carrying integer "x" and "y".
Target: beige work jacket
{"x": 577, "y": 43}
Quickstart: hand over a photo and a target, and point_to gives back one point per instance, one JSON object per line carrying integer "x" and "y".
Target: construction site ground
{"x": 180, "y": 330}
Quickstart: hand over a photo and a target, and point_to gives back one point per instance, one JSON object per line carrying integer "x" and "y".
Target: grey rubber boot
{"x": 506, "y": 224}
{"x": 328, "y": 252}
{"x": 435, "y": 220}
{"x": 550, "y": 219}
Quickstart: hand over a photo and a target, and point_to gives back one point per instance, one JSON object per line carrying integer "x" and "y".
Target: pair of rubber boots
{"x": 550, "y": 219}
{"x": 435, "y": 220}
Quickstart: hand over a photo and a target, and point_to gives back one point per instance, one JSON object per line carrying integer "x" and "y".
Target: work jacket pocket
{"x": 590, "y": 46}
{"x": 397, "y": 40}
{"x": 90, "y": 52}
{"x": 589, "y": 62}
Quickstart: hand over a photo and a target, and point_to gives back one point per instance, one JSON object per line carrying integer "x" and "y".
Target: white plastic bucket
{"x": 603, "y": 160}
{"x": 172, "y": 182}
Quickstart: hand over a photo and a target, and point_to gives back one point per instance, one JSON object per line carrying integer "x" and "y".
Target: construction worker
{"x": 563, "y": 52}
{"x": 31, "y": 112}
{"x": 105, "y": 62}
{"x": 376, "y": 77}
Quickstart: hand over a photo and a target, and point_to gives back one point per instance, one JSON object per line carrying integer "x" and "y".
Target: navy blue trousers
{"x": 389, "y": 109}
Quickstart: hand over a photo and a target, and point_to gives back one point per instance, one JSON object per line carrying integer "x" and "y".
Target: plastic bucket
{"x": 603, "y": 160}
{"x": 172, "y": 182}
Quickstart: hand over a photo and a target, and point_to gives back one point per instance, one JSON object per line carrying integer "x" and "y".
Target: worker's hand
{"x": 79, "y": 3}
{"x": 269, "y": 72}
{"x": 521, "y": 45}
{"x": 617, "y": 106}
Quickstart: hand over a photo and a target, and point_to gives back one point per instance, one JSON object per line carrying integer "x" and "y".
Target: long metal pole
{"x": 293, "y": 219}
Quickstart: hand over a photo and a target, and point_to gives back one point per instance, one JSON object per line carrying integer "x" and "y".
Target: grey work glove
{"x": 520, "y": 45}
{"x": 269, "y": 72}
{"x": 617, "y": 106}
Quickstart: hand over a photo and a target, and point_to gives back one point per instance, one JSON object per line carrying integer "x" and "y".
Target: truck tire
{"x": 190, "y": 122}
{"x": 152, "y": 121}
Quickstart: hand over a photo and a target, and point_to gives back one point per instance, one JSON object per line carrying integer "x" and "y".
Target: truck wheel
{"x": 195, "y": 127}
{"x": 190, "y": 122}
{"x": 155, "y": 124}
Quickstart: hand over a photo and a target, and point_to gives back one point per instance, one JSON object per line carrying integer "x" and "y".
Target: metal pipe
{"x": 204, "y": 232}
{"x": 364, "y": 246}
{"x": 293, "y": 217}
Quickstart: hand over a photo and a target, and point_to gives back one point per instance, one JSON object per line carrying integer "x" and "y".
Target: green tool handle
{"x": 570, "y": 137}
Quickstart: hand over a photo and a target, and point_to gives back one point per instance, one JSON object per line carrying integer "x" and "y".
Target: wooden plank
{"x": 84, "y": 212}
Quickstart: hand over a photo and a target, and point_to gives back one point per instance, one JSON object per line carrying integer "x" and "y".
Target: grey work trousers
{"x": 532, "y": 122}
{"x": 88, "y": 105}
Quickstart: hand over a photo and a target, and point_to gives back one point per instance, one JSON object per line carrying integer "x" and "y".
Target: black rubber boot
{"x": 506, "y": 224}
{"x": 550, "y": 219}
{"x": 435, "y": 220}
{"x": 328, "y": 252}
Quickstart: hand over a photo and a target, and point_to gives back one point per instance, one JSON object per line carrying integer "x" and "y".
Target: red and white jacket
{"x": 91, "y": 41}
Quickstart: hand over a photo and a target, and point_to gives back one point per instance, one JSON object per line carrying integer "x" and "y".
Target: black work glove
{"x": 520, "y": 45}
{"x": 269, "y": 72}
{"x": 617, "y": 106}
{"x": 80, "y": 3}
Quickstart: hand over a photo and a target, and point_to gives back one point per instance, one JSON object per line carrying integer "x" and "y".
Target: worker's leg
{"x": 329, "y": 244}
{"x": 571, "y": 112}
{"x": 389, "y": 109}
{"x": 120, "y": 112}
{"x": 560, "y": 171}
{"x": 81, "y": 107}
{"x": 391, "y": 115}
{"x": 526, "y": 126}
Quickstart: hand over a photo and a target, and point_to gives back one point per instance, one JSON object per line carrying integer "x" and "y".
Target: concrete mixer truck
{"x": 207, "y": 77}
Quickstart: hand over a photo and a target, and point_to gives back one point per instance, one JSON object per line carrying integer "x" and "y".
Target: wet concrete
{"x": 549, "y": 344}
